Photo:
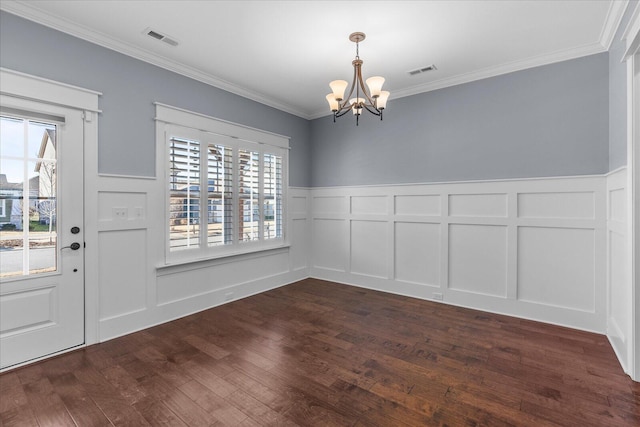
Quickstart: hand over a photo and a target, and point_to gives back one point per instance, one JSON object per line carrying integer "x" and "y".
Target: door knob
{"x": 74, "y": 246}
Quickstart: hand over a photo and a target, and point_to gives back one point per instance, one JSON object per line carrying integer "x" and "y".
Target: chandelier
{"x": 374, "y": 101}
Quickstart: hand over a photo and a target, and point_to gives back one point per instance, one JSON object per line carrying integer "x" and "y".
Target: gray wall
{"x": 546, "y": 121}
{"x": 129, "y": 86}
{"x": 618, "y": 96}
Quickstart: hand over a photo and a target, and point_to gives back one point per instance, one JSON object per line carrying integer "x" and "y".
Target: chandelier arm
{"x": 374, "y": 111}
{"x": 340, "y": 114}
{"x": 364, "y": 90}
{"x": 344, "y": 108}
{"x": 346, "y": 99}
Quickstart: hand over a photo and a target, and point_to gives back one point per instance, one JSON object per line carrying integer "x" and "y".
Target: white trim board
{"x": 49, "y": 91}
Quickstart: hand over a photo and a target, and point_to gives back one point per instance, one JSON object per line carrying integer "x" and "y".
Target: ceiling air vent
{"x": 422, "y": 70}
{"x": 159, "y": 36}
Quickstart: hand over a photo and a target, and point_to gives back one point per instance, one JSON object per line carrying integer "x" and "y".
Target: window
{"x": 225, "y": 191}
{"x": 28, "y": 193}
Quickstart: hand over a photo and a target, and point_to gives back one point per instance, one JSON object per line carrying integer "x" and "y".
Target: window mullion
{"x": 204, "y": 189}
{"x": 235, "y": 200}
{"x": 260, "y": 195}
{"x": 167, "y": 177}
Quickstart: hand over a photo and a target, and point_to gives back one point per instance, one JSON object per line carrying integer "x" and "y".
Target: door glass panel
{"x": 28, "y": 197}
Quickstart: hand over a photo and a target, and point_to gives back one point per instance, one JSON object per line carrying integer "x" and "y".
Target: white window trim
{"x": 179, "y": 116}
{"x": 167, "y": 118}
{"x": 3, "y": 207}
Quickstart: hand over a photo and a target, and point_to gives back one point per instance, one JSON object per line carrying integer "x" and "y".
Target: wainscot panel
{"x": 369, "y": 248}
{"x": 533, "y": 248}
{"x": 552, "y": 267}
{"x": 330, "y": 244}
{"x": 369, "y": 205}
{"x": 198, "y": 279}
{"x": 417, "y": 253}
{"x": 556, "y": 205}
{"x": 419, "y": 205}
{"x": 330, "y": 205}
{"x": 123, "y": 275}
{"x": 137, "y": 291}
{"x": 478, "y": 205}
{"x": 478, "y": 259}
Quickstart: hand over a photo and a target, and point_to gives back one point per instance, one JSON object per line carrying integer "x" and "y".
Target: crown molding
{"x": 609, "y": 29}
{"x": 486, "y": 73}
{"x": 631, "y": 34}
{"x": 611, "y": 24}
{"x": 33, "y": 13}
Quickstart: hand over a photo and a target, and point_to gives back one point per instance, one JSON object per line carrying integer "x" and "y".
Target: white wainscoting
{"x": 530, "y": 248}
{"x": 134, "y": 293}
{"x": 619, "y": 296}
{"x": 533, "y": 248}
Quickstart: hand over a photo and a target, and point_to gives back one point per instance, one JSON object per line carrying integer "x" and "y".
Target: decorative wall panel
{"x": 369, "y": 205}
{"x": 556, "y": 267}
{"x": 478, "y": 205}
{"x": 478, "y": 259}
{"x": 123, "y": 272}
{"x": 557, "y": 205}
{"x": 417, "y": 253}
{"x": 420, "y": 205}
{"x": 533, "y": 248}
{"x": 369, "y": 248}
{"x": 330, "y": 205}
{"x": 330, "y": 244}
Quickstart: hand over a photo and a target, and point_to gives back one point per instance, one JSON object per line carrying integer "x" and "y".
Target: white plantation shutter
{"x": 272, "y": 207}
{"x": 220, "y": 219}
{"x": 184, "y": 194}
{"x": 225, "y": 194}
{"x": 249, "y": 189}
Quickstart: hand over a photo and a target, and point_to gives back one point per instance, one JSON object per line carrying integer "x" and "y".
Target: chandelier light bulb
{"x": 381, "y": 102}
{"x": 375, "y": 85}
{"x": 334, "y": 105}
{"x": 338, "y": 87}
{"x": 356, "y": 105}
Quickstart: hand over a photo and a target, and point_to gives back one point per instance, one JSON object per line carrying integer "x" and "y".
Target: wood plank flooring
{"x": 317, "y": 353}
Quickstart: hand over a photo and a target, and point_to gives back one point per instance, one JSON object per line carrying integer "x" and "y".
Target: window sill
{"x": 222, "y": 258}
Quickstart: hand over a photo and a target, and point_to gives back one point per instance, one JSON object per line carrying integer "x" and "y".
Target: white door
{"x": 41, "y": 230}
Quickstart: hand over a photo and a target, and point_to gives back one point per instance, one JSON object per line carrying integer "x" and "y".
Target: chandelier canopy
{"x": 374, "y": 100}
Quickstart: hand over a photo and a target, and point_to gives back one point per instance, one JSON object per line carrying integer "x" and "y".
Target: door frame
{"x": 38, "y": 89}
{"x": 631, "y": 36}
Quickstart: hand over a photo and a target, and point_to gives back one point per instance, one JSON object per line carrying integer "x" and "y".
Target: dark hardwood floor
{"x": 319, "y": 353}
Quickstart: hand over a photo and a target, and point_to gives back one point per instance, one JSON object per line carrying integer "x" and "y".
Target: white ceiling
{"x": 284, "y": 53}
